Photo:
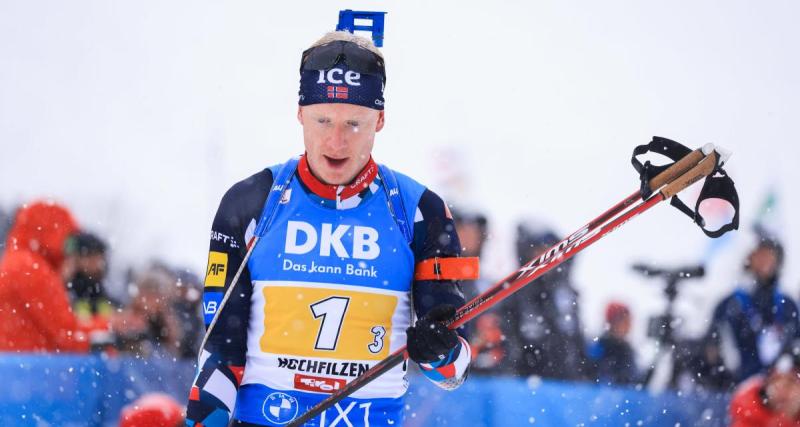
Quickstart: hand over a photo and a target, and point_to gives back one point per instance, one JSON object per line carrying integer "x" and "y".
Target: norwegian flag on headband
{"x": 341, "y": 85}
{"x": 337, "y": 92}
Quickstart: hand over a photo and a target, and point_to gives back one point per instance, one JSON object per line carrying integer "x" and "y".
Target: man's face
{"x": 93, "y": 265}
{"x": 621, "y": 326}
{"x": 763, "y": 262}
{"x": 338, "y": 139}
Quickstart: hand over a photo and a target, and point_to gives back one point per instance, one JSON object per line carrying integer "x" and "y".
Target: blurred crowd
{"x": 55, "y": 297}
{"x": 55, "y": 294}
{"x": 751, "y": 347}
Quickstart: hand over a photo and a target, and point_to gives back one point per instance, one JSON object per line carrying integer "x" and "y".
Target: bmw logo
{"x": 279, "y": 408}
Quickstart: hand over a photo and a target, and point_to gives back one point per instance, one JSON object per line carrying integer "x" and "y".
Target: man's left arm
{"x": 443, "y": 355}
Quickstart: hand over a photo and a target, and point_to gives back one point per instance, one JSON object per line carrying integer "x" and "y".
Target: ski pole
{"x": 250, "y": 245}
{"x": 280, "y": 183}
{"x": 686, "y": 171}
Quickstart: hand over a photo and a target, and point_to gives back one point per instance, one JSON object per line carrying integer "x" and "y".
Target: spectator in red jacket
{"x": 35, "y": 313}
{"x": 771, "y": 401}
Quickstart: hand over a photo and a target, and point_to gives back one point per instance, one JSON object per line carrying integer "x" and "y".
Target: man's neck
{"x": 359, "y": 183}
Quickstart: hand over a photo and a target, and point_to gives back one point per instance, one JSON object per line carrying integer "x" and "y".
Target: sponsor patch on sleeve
{"x": 217, "y": 269}
{"x": 211, "y": 302}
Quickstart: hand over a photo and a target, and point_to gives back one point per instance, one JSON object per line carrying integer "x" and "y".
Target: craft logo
{"x": 217, "y": 269}
{"x": 318, "y": 384}
{"x": 279, "y": 408}
{"x": 224, "y": 238}
{"x": 361, "y": 180}
{"x": 365, "y": 240}
{"x": 337, "y": 92}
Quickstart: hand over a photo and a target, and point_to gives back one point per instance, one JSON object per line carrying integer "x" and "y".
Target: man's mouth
{"x": 335, "y": 162}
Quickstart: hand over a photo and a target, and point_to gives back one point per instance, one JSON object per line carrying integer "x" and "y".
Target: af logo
{"x": 279, "y": 408}
{"x": 217, "y": 269}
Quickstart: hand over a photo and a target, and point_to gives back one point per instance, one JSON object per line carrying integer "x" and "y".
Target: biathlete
{"x": 357, "y": 261}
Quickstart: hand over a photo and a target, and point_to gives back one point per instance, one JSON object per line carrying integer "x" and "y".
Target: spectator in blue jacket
{"x": 612, "y": 354}
{"x": 760, "y": 320}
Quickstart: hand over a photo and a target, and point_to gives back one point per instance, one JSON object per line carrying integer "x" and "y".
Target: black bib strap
{"x": 718, "y": 185}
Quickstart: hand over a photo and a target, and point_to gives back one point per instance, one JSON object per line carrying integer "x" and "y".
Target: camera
{"x": 660, "y": 327}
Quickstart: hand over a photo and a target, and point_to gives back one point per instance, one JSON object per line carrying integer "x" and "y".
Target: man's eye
{"x": 352, "y": 123}
{"x": 323, "y": 120}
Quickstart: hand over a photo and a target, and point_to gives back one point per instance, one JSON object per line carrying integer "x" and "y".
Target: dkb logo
{"x": 365, "y": 240}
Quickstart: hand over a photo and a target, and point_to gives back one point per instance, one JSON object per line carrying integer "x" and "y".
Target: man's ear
{"x": 380, "y": 122}
{"x": 300, "y": 114}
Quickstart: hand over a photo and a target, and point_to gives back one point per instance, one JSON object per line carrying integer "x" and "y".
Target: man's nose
{"x": 338, "y": 137}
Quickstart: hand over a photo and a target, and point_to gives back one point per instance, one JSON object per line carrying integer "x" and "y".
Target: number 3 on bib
{"x": 377, "y": 345}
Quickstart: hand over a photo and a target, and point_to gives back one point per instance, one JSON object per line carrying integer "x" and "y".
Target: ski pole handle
{"x": 676, "y": 169}
{"x": 701, "y": 170}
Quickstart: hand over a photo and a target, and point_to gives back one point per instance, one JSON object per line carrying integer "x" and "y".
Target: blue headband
{"x": 341, "y": 85}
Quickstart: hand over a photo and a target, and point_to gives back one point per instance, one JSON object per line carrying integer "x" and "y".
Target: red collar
{"x": 329, "y": 191}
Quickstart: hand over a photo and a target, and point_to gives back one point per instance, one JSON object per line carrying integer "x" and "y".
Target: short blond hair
{"x": 361, "y": 41}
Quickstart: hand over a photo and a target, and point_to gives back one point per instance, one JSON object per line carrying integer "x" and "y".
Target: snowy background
{"x": 139, "y": 115}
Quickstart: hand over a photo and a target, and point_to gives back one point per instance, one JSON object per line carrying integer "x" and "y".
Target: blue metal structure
{"x": 347, "y": 22}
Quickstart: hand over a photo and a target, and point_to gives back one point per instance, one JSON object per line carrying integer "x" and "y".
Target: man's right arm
{"x": 221, "y": 362}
